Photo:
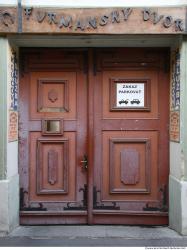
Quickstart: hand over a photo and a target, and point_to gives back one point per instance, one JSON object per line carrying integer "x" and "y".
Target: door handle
{"x": 85, "y": 162}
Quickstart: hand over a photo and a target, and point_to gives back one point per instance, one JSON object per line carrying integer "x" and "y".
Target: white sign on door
{"x": 130, "y": 95}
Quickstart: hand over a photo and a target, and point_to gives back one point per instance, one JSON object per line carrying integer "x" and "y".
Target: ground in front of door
{"x": 93, "y": 236}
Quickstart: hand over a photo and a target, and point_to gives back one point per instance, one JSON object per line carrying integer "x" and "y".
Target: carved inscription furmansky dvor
{"x": 83, "y": 22}
{"x": 93, "y": 21}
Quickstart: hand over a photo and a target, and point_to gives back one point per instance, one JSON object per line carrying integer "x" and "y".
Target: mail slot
{"x": 52, "y": 126}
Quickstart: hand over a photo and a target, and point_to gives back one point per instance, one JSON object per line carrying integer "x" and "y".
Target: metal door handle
{"x": 85, "y": 162}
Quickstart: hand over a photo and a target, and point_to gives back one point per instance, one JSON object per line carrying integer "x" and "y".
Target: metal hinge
{"x": 29, "y": 208}
{"x": 39, "y": 208}
{"x": 97, "y": 205}
{"x": 163, "y": 204}
{"x": 79, "y": 206}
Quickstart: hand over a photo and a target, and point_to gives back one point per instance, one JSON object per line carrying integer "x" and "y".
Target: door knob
{"x": 84, "y": 162}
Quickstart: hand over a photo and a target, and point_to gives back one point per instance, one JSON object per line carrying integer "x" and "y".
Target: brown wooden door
{"x": 71, "y": 109}
{"x": 53, "y": 137}
{"x": 131, "y": 136}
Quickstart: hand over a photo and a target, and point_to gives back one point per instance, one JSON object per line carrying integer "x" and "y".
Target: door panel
{"x": 53, "y": 139}
{"x": 52, "y": 166}
{"x": 129, "y": 166}
{"x": 150, "y": 78}
{"x": 56, "y": 95}
{"x": 131, "y": 139}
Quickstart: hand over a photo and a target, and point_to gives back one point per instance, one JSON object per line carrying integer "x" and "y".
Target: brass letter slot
{"x": 52, "y": 127}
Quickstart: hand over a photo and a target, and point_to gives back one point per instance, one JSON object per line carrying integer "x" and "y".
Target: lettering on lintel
{"x": 167, "y": 21}
{"x": 115, "y": 17}
{"x": 68, "y": 21}
{"x": 6, "y": 18}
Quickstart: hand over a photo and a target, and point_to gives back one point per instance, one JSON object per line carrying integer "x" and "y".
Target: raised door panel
{"x": 129, "y": 165}
{"x": 113, "y": 108}
{"x": 53, "y": 94}
{"x": 52, "y": 169}
{"x": 130, "y": 170}
{"x": 52, "y": 166}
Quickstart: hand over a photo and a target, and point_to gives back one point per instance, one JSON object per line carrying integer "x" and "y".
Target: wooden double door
{"x": 93, "y": 136}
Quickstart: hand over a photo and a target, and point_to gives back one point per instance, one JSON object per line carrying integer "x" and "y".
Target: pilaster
{"x": 3, "y": 106}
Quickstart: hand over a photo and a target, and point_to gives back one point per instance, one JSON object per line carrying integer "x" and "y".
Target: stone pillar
{"x": 184, "y": 136}
{"x": 178, "y": 157}
{"x": 9, "y": 181}
{"x": 3, "y": 107}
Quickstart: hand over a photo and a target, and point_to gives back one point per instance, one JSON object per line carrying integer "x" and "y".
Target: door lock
{"x": 85, "y": 162}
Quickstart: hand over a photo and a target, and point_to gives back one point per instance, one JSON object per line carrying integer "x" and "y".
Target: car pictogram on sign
{"x": 135, "y": 101}
{"x": 124, "y": 101}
